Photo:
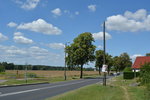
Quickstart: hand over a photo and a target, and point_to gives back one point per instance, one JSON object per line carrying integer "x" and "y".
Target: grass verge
{"x": 116, "y": 89}
{"x": 14, "y": 81}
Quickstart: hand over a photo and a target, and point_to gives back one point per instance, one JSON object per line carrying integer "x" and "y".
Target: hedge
{"x": 130, "y": 75}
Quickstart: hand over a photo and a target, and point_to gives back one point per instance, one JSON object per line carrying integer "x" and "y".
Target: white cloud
{"x": 40, "y": 26}
{"x": 133, "y": 57}
{"x": 12, "y": 24}
{"x": 56, "y": 45}
{"x": 99, "y": 36}
{"x": 3, "y": 37}
{"x": 56, "y": 12}
{"x": 99, "y": 47}
{"x": 92, "y": 8}
{"x": 19, "y": 38}
{"x": 77, "y": 13}
{"x": 32, "y": 55}
{"x": 138, "y": 15}
{"x": 28, "y": 4}
{"x": 131, "y": 22}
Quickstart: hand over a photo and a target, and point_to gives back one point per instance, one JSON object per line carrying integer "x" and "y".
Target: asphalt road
{"x": 43, "y": 91}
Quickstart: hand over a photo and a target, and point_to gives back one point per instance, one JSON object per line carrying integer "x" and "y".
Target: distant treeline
{"x": 12, "y": 66}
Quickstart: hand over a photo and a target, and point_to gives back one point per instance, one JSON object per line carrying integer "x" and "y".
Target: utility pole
{"x": 104, "y": 56}
{"x": 65, "y": 76}
{"x": 26, "y": 72}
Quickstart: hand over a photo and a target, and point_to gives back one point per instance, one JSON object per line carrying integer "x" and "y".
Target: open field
{"x": 12, "y": 77}
{"x": 116, "y": 89}
{"x": 53, "y": 73}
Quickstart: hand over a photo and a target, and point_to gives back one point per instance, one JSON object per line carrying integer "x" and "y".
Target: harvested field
{"x": 53, "y": 73}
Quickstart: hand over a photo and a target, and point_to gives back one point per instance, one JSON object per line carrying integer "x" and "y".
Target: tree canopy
{"x": 122, "y": 61}
{"x": 81, "y": 51}
{"x": 100, "y": 58}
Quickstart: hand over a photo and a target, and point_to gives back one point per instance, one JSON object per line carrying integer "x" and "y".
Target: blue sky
{"x": 35, "y": 31}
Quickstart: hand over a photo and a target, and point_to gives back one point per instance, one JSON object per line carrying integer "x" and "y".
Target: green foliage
{"x": 128, "y": 75}
{"x": 100, "y": 59}
{"x": 2, "y": 68}
{"x": 81, "y": 51}
{"x": 145, "y": 74}
{"x": 128, "y": 69}
{"x": 116, "y": 63}
{"x": 147, "y": 54}
{"x": 122, "y": 61}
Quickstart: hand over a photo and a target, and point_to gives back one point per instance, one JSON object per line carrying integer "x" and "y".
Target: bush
{"x": 145, "y": 74}
{"x": 2, "y": 68}
{"x": 130, "y": 75}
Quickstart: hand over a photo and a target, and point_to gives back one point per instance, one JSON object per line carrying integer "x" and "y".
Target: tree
{"x": 81, "y": 51}
{"x": 116, "y": 63}
{"x": 147, "y": 54}
{"x": 121, "y": 62}
{"x": 100, "y": 58}
{"x": 125, "y": 61}
{"x": 2, "y": 68}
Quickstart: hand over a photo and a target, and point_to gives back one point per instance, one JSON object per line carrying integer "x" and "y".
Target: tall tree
{"x": 116, "y": 63}
{"x": 125, "y": 61}
{"x": 100, "y": 58}
{"x": 81, "y": 51}
{"x": 122, "y": 61}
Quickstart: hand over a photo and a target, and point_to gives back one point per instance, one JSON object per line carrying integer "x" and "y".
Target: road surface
{"x": 43, "y": 91}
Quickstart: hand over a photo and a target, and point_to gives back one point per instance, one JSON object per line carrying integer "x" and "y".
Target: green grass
{"x": 11, "y": 79}
{"x": 116, "y": 89}
{"x": 17, "y": 82}
{"x": 93, "y": 92}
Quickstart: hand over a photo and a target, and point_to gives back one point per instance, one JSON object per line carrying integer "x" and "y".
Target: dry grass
{"x": 53, "y": 73}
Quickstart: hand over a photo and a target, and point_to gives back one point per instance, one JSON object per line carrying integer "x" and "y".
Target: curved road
{"x": 43, "y": 91}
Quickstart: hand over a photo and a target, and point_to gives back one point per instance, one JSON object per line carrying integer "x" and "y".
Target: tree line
{"x": 11, "y": 66}
{"x": 82, "y": 51}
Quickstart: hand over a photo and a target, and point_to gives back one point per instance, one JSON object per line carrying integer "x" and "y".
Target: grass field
{"x": 116, "y": 89}
{"x": 53, "y": 73}
{"x": 41, "y": 76}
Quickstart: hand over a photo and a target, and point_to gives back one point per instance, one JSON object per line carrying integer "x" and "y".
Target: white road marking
{"x": 13, "y": 93}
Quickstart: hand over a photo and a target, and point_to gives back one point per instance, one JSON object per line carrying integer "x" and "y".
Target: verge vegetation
{"x": 116, "y": 89}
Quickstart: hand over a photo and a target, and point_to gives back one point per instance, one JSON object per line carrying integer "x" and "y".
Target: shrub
{"x": 128, "y": 75}
{"x": 145, "y": 74}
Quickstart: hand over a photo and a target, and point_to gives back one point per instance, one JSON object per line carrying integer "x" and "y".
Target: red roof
{"x": 141, "y": 61}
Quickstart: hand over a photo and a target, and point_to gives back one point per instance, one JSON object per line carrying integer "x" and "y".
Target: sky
{"x": 35, "y": 31}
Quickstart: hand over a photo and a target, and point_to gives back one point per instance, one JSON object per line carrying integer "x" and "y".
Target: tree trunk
{"x": 81, "y": 71}
{"x": 99, "y": 71}
{"x": 108, "y": 70}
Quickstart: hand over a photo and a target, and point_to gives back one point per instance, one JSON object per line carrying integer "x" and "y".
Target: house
{"x": 139, "y": 61}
